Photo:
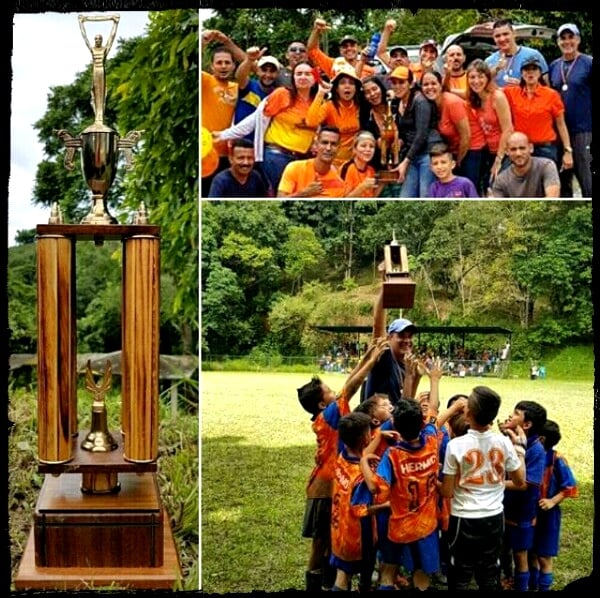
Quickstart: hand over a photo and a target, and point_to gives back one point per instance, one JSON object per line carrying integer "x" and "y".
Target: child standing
{"x": 326, "y": 408}
{"x": 521, "y": 506}
{"x": 406, "y": 477}
{"x": 350, "y": 511}
{"x": 474, "y": 475}
{"x": 558, "y": 483}
{"x": 448, "y": 184}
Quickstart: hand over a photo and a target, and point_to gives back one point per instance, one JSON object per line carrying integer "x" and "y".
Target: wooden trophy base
{"x": 82, "y": 541}
{"x": 398, "y": 291}
{"x": 386, "y": 176}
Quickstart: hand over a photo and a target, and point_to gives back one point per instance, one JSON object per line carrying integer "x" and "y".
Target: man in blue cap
{"x": 389, "y": 373}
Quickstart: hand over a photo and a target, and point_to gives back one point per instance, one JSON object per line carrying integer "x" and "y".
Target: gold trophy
{"x": 99, "y": 144}
{"x": 390, "y": 147}
{"x": 99, "y": 518}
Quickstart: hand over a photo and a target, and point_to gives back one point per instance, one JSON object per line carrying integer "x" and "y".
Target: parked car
{"x": 477, "y": 41}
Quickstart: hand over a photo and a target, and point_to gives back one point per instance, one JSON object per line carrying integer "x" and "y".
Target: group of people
{"x": 402, "y": 491}
{"x": 509, "y": 125}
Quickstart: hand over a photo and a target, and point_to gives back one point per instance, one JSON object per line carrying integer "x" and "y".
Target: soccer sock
{"x": 546, "y": 580}
{"x": 534, "y": 575}
{"x": 521, "y": 581}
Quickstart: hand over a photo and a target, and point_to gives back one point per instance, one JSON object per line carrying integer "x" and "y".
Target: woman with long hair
{"x": 489, "y": 106}
{"x": 337, "y": 104}
{"x": 288, "y": 136}
{"x": 417, "y": 119}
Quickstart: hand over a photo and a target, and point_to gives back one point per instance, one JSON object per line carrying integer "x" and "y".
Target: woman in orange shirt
{"x": 288, "y": 136}
{"x": 538, "y": 111}
{"x": 490, "y": 107}
{"x": 341, "y": 110}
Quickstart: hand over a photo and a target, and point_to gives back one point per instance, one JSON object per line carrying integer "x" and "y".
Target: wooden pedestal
{"x": 81, "y": 540}
{"x": 398, "y": 291}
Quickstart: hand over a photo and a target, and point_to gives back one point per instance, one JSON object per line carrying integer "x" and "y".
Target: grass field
{"x": 257, "y": 450}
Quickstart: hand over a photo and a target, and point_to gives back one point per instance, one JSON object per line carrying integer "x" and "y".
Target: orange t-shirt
{"x": 288, "y": 127}
{"x": 355, "y": 177}
{"x": 298, "y": 174}
{"x": 218, "y": 105}
{"x": 458, "y": 83}
{"x": 453, "y": 111}
{"x": 319, "y": 59}
{"x": 344, "y": 117}
{"x": 535, "y": 115}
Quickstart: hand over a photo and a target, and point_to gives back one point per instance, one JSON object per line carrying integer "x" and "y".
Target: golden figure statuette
{"x": 99, "y": 439}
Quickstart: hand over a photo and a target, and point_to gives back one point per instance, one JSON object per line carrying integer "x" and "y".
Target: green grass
{"x": 177, "y": 475}
{"x": 257, "y": 451}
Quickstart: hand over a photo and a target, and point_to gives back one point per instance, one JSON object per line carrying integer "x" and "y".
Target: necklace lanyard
{"x": 565, "y": 74}
{"x": 506, "y": 69}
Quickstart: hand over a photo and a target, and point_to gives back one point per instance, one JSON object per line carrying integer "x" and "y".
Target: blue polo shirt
{"x": 577, "y": 98}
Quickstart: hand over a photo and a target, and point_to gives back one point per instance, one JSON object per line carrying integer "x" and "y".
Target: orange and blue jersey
{"x": 325, "y": 426}
{"x": 558, "y": 477}
{"x": 520, "y": 507}
{"x": 346, "y": 513}
{"x": 406, "y": 477}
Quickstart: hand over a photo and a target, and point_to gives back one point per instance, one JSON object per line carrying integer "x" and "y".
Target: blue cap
{"x": 402, "y": 325}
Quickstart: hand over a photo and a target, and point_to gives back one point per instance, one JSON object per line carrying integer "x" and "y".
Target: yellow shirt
{"x": 288, "y": 126}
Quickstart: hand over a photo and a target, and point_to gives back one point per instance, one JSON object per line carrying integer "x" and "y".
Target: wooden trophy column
{"x": 99, "y": 520}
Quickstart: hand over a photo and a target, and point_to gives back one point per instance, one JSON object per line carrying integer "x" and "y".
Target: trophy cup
{"x": 390, "y": 147}
{"x": 99, "y": 518}
{"x": 100, "y": 145}
{"x": 398, "y": 287}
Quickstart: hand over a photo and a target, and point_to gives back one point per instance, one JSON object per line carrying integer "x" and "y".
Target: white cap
{"x": 269, "y": 60}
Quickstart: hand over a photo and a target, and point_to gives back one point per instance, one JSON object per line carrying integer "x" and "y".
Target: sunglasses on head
{"x": 298, "y": 49}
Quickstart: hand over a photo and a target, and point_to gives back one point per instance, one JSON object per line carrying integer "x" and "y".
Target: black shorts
{"x": 317, "y": 518}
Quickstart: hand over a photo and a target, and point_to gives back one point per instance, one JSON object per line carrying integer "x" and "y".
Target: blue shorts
{"x": 350, "y": 567}
{"x": 519, "y": 538}
{"x": 421, "y": 554}
{"x": 546, "y": 540}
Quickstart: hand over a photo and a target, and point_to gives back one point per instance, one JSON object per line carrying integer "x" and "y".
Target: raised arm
{"x": 319, "y": 26}
{"x": 248, "y": 66}
{"x": 382, "y": 47}
{"x": 358, "y": 375}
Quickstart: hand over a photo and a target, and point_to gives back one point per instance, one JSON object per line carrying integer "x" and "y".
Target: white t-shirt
{"x": 480, "y": 461}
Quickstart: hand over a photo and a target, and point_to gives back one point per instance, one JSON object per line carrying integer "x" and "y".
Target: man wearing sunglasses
{"x": 296, "y": 52}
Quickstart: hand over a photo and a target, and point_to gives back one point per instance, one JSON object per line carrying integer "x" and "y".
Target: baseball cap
{"x": 343, "y": 69}
{"x": 401, "y": 325}
{"x": 400, "y": 72}
{"x": 348, "y": 38}
{"x": 533, "y": 61}
{"x": 429, "y": 42}
{"x": 400, "y": 49}
{"x": 268, "y": 60}
{"x": 568, "y": 27}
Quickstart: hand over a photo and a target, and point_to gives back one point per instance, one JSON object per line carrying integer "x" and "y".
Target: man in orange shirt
{"x": 455, "y": 76}
{"x": 315, "y": 177}
{"x": 219, "y": 93}
{"x": 349, "y": 51}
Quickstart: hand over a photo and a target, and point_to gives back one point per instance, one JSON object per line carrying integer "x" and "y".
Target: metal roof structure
{"x": 461, "y": 331}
